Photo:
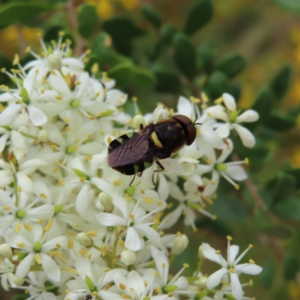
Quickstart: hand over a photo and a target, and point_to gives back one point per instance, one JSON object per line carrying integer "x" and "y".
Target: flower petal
{"x": 51, "y": 269}
{"x": 133, "y": 241}
{"x": 251, "y": 269}
{"x": 229, "y": 102}
{"x": 223, "y": 130}
{"x": 37, "y": 117}
{"x": 210, "y": 253}
{"x": 248, "y": 116}
{"x": 236, "y": 173}
{"x": 24, "y": 266}
{"x": 232, "y": 253}
{"x": 236, "y": 287}
{"x": 214, "y": 279}
{"x": 110, "y": 219}
{"x": 246, "y": 136}
{"x": 9, "y": 114}
{"x": 185, "y": 107}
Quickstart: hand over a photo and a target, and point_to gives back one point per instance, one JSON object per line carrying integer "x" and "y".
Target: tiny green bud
{"x": 71, "y": 149}
{"x": 90, "y": 284}
{"x": 17, "y": 280}
{"x": 170, "y": 288}
{"x": 84, "y": 239}
{"x": 21, "y": 213}
{"x": 128, "y": 257}
{"x": 202, "y": 282}
{"x": 5, "y": 251}
{"x": 106, "y": 201}
{"x": 200, "y": 253}
{"x": 37, "y": 247}
{"x": 58, "y": 209}
{"x": 25, "y": 96}
{"x": 130, "y": 190}
{"x": 43, "y": 135}
{"x": 75, "y": 103}
{"x": 233, "y": 115}
{"x": 179, "y": 244}
{"x": 220, "y": 167}
{"x": 107, "y": 113}
{"x": 81, "y": 174}
{"x": 54, "y": 60}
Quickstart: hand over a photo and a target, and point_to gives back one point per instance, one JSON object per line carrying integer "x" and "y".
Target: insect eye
{"x": 188, "y": 127}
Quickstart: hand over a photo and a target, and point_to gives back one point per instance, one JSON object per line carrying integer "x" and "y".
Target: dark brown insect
{"x": 134, "y": 152}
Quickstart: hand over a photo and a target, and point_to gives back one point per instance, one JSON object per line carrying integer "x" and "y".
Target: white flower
{"x": 54, "y": 58}
{"x": 230, "y": 171}
{"x": 20, "y": 211}
{"x": 135, "y": 219}
{"x": 230, "y": 267}
{"x": 232, "y": 119}
{"x": 37, "y": 247}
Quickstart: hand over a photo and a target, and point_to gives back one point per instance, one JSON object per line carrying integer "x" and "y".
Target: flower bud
{"x": 137, "y": 121}
{"x": 179, "y": 244}
{"x": 84, "y": 239}
{"x": 202, "y": 282}
{"x": 5, "y": 251}
{"x": 200, "y": 253}
{"x": 54, "y": 60}
{"x": 106, "y": 201}
{"x": 17, "y": 280}
{"x": 128, "y": 257}
{"x": 43, "y": 135}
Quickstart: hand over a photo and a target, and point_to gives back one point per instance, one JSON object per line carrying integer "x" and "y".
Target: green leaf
{"x": 263, "y": 102}
{"x": 184, "y": 55}
{"x": 288, "y": 209}
{"x": 144, "y": 78}
{"x": 199, "y": 14}
{"x": 291, "y": 266}
{"x": 151, "y": 15}
{"x": 123, "y": 31}
{"x": 268, "y": 274}
{"x": 20, "y": 297}
{"x": 285, "y": 185}
{"x": 296, "y": 174}
{"x": 291, "y": 5}
{"x": 232, "y": 64}
{"x": 88, "y": 20}
{"x": 205, "y": 58}
{"x": 216, "y": 226}
{"x": 101, "y": 49}
{"x": 167, "y": 81}
{"x": 21, "y": 11}
{"x": 280, "y": 121}
{"x": 123, "y": 73}
{"x": 218, "y": 83}
{"x": 281, "y": 82}
{"x": 278, "y": 231}
{"x": 167, "y": 33}
{"x": 229, "y": 209}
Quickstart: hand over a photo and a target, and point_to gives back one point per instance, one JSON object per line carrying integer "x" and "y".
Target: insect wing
{"x": 131, "y": 151}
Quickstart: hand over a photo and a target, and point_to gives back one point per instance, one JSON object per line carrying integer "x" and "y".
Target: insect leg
{"x": 161, "y": 169}
{"x": 140, "y": 173}
{"x": 132, "y": 180}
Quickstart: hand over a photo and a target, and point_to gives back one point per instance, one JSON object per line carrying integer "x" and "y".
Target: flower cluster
{"x": 73, "y": 228}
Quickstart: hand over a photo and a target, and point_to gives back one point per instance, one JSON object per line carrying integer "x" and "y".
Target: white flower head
{"x": 230, "y": 267}
{"x": 230, "y": 115}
